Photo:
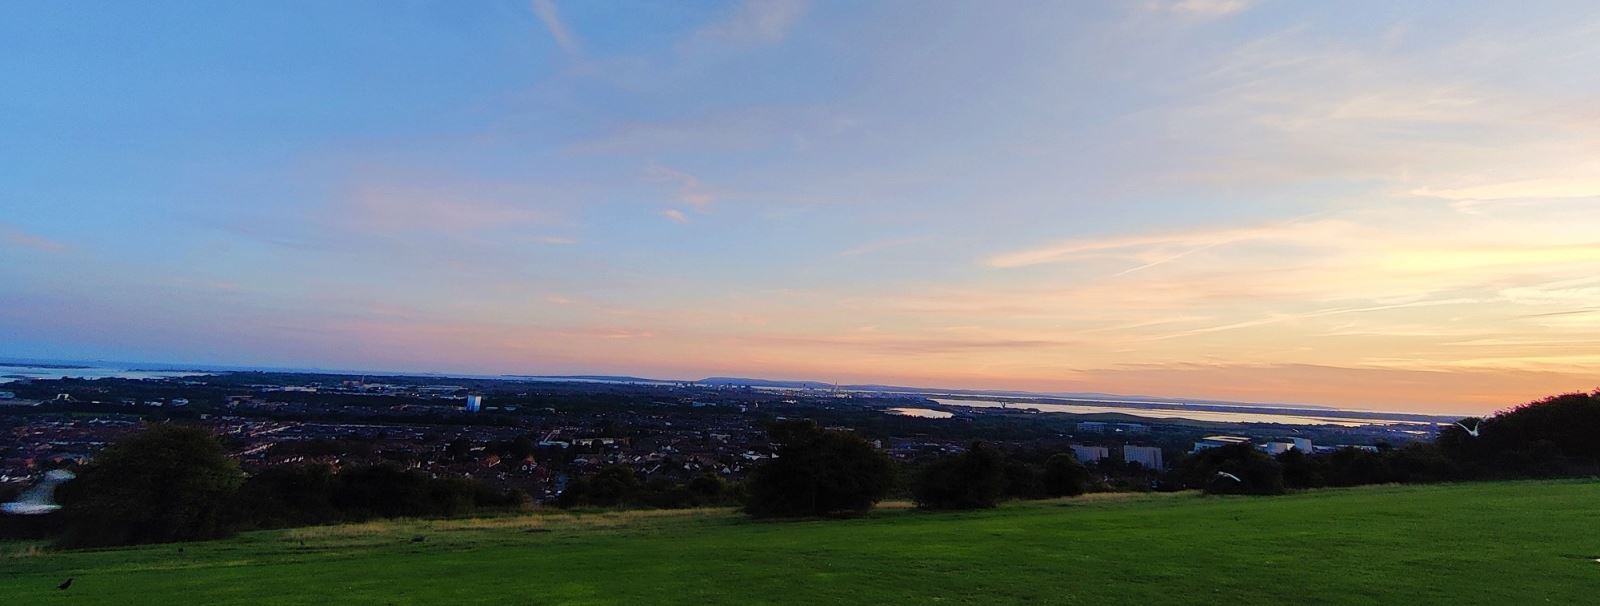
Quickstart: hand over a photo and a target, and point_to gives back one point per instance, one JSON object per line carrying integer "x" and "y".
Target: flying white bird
{"x": 40, "y": 498}
{"x": 1224, "y": 474}
{"x": 1473, "y": 431}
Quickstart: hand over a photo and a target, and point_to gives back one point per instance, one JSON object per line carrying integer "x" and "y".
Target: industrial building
{"x": 1210, "y": 442}
{"x": 1090, "y": 454}
{"x": 1147, "y": 456}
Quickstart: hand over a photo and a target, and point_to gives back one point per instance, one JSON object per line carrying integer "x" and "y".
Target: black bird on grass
{"x": 418, "y": 539}
{"x": 65, "y": 584}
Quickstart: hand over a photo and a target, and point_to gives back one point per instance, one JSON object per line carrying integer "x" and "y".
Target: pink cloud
{"x": 550, "y": 15}
{"x": 407, "y": 208}
{"x": 16, "y": 237}
{"x": 690, "y": 190}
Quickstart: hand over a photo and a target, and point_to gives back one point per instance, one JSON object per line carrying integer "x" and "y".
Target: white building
{"x": 1090, "y": 454}
{"x": 1303, "y": 445}
{"x": 1277, "y": 448}
{"x": 1148, "y": 456}
{"x": 1210, "y": 442}
{"x": 474, "y": 403}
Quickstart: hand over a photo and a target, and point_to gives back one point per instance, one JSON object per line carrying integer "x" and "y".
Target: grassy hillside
{"x": 1501, "y": 543}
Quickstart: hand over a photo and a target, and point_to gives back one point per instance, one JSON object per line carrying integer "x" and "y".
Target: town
{"x": 538, "y": 435}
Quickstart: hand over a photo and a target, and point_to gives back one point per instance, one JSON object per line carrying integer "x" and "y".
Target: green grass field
{"x": 1496, "y": 543}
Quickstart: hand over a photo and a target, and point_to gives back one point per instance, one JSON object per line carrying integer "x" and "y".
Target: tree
{"x": 165, "y": 483}
{"x": 288, "y": 495}
{"x": 973, "y": 479}
{"x": 1356, "y": 467}
{"x": 707, "y": 488}
{"x": 612, "y": 485}
{"x": 1065, "y": 476}
{"x": 1256, "y": 472}
{"x": 1023, "y": 480}
{"x": 816, "y": 472}
{"x": 1301, "y": 470}
{"x": 1552, "y": 436}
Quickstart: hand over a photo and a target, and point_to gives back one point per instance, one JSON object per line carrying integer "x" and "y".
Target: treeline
{"x": 817, "y": 472}
{"x": 1549, "y": 438}
{"x": 619, "y": 486}
{"x": 303, "y": 495}
{"x": 171, "y": 483}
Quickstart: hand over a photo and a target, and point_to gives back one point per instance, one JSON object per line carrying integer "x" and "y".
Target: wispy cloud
{"x": 1321, "y": 313}
{"x": 1203, "y": 8}
{"x": 909, "y": 345}
{"x": 17, "y": 237}
{"x": 1539, "y": 188}
{"x": 689, "y": 190}
{"x": 881, "y": 245}
{"x": 550, "y": 15}
{"x": 676, "y": 215}
{"x": 1157, "y": 249}
{"x": 756, "y": 22}
{"x": 411, "y": 207}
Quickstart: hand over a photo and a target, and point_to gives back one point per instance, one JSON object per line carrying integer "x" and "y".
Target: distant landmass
{"x": 602, "y": 378}
{"x": 707, "y": 381}
{"x": 925, "y": 391}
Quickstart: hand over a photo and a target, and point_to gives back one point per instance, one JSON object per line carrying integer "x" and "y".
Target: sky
{"x": 1362, "y": 204}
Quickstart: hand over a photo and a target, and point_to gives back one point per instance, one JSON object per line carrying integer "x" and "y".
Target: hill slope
{"x": 1498, "y": 543}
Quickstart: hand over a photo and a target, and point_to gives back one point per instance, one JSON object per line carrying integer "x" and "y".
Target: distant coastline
{"x": 1041, "y": 401}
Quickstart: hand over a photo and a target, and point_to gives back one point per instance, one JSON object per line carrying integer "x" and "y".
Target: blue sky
{"x": 1367, "y": 204}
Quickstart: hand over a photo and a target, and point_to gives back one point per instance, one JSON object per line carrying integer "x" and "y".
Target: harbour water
{"x": 1303, "y": 418}
{"x": 10, "y": 372}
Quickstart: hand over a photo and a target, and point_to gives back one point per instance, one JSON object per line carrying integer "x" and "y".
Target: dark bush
{"x": 165, "y": 483}
{"x": 299, "y": 495}
{"x": 817, "y": 472}
{"x": 1065, "y": 476}
{"x": 1302, "y": 470}
{"x": 1023, "y": 480}
{"x": 1211, "y": 469}
{"x": 1549, "y": 437}
{"x": 288, "y": 495}
{"x": 974, "y": 479}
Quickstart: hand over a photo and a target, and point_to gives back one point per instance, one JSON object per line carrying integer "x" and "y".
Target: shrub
{"x": 817, "y": 472}
{"x": 288, "y": 495}
{"x": 1065, "y": 476}
{"x": 165, "y": 483}
{"x": 1301, "y": 470}
{"x": 1257, "y": 473}
{"x": 1023, "y": 480}
{"x": 973, "y": 479}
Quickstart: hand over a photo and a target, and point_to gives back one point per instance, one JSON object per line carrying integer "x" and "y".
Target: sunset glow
{"x": 1391, "y": 208}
